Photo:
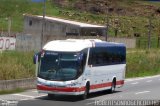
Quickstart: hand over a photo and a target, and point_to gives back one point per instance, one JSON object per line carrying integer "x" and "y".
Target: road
{"x": 147, "y": 88}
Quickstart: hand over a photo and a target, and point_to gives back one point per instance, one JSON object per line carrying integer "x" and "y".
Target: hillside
{"x": 115, "y": 7}
{"x": 128, "y": 17}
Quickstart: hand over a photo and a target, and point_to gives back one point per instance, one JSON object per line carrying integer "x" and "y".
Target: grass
{"x": 143, "y": 63}
{"x": 15, "y": 10}
{"x": 140, "y": 62}
{"x": 18, "y": 90}
{"x": 16, "y": 65}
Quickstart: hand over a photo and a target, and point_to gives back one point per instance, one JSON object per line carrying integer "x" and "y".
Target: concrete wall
{"x": 53, "y": 29}
{"x": 33, "y": 43}
{"x": 28, "y": 43}
{"x": 7, "y": 43}
{"x": 33, "y": 25}
{"x": 130, "y": 42}
{"x": 20, "y": 83}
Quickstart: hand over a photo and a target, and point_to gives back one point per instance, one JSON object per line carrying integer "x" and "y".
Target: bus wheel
{"x": 85, "y": 95}
{"x": 113, "y": 86}
{"x": 51, "y": 96}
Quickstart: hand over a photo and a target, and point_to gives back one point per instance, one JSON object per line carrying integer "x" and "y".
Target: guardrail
{"x": 28, "y": 83}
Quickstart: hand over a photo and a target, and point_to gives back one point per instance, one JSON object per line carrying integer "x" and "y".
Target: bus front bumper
{"x": 61, "y": 90}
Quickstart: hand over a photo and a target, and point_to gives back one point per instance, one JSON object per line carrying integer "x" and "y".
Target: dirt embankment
{"x": 120, "y": 7}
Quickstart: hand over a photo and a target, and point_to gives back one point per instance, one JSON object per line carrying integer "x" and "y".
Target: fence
{"x": 142, "y": 42}
{"x": 19, "y": 83}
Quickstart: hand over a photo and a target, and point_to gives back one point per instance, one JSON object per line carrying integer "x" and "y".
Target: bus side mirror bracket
{"x": 36, "y": 57}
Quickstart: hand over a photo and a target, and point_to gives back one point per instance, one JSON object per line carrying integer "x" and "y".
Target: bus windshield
{"x": 59, "y": 66}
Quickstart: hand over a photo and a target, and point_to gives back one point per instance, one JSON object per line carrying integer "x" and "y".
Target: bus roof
{"x": 75, "y": 45}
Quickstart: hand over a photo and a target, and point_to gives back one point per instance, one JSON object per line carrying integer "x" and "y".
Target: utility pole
{"x": 149, "y": 32}
{"x": 43, "y": 22}
{"x": 107, "y": 26}
{"x": 9, "y": 26}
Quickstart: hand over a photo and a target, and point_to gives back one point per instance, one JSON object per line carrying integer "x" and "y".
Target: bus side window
{"x": 84, "y": 58}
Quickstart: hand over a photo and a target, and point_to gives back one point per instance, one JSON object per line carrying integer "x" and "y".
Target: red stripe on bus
{"x": 101, "y": 85}
{"x": 109, "y": 84}
{"x": 121, "y": 82}
{"x": 58, "y": 89}
{"x": 77, "y": 89}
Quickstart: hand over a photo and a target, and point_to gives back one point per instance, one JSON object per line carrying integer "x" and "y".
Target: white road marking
{"x": 35, "y": 91}
{"x": 90, "y": 103}
{"x": 32, "y": 98}
{"x": 24, "y": 95}
{"x": 141, "y": 78}
{"x": 40, "y": 96}
{"x": 149, "y": 81}
{"x": 142, "y": 92}
{"x": 135, "y": 83}
{"x": 25, "y": 99}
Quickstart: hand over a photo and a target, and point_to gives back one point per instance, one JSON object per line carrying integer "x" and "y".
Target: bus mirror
{"x": 36, "y": 58}
{"x": 81, "y": 57}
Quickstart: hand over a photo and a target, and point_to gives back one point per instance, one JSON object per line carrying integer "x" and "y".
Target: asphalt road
{"x": 147, "y": 88}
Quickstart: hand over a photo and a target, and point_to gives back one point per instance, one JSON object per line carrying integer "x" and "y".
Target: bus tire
{"x": 51, "y": 96}
{"x": 86, "y": 93}
{"x": 113, "y": 86}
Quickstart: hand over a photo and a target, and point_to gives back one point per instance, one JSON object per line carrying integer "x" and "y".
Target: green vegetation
{"x": 15, "y": 10}
{"x": 127, "y": 24}
{"x": 142, "y": 42}
{"x": 11, "y": 91}
{"x": 16, "y": 65}
{"x": 143, "y": 63}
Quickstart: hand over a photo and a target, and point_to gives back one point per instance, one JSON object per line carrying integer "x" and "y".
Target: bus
{"x": 80, "y": 66}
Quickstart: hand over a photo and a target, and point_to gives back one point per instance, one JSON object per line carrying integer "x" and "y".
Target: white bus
{"x": 80, "y": 67}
